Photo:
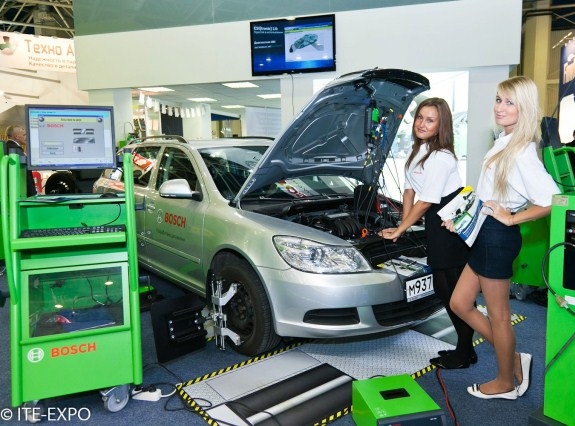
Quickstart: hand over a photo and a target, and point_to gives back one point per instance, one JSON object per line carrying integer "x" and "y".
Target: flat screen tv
{"x": 285, "y": 46}
{"x": 65, "y": 137}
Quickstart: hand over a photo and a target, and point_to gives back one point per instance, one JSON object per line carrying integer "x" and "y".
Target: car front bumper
{"x": 341, "y": 305}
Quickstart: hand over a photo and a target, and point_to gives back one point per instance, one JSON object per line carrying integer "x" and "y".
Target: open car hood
{"x": 346, "y": 129}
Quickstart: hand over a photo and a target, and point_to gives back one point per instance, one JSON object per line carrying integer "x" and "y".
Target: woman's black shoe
{"x": 449, "y": 361}
{"x": 472, "y": 358}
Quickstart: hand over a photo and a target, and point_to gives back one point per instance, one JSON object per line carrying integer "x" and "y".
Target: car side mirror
{"x": 179, "y": 188}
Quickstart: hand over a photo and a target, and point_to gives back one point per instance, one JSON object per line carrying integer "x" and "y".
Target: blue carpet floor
{"x": 467, "y": 410}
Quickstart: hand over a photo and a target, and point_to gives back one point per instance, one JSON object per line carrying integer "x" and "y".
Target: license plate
{"x": 419, "y": 287}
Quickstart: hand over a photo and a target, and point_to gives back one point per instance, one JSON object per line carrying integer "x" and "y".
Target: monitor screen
{"x": 304, "y": 44}
{"x": 70, "y": 137}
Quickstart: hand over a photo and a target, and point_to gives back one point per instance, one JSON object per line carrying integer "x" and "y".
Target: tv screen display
{"x": 304, "y": 44}
{"x": 70, "y": 137}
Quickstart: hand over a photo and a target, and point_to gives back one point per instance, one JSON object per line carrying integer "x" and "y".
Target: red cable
{"x": 447, "y": 403}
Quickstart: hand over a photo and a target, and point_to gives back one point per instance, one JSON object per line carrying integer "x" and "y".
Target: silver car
{"x": 281, "y": 236}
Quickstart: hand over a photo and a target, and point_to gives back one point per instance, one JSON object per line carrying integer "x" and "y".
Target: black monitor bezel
{"x": 286, "y": 69}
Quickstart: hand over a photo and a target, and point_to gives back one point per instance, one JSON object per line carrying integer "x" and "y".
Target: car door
{"x": 144, "y": 159}
{"x": 174, "y": 227}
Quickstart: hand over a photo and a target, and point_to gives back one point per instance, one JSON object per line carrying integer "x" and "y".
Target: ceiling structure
{"x": 55, "y": 18}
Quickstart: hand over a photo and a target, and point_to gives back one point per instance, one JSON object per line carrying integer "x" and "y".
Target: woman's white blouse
{"x": 437, "y": 178}
{"x": 527, "y": 182}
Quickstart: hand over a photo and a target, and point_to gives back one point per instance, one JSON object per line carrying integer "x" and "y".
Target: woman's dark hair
{"x": 444, "y": 138}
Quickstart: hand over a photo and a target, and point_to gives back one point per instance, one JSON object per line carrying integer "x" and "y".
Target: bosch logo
{"x": 175, "y": 219}
{"x": 73, "y": 350}
{"x": 35, "y": 355}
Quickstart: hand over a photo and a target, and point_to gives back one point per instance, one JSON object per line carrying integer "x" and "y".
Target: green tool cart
{"x": 559, "y": 391}
{"x": 535, "y": 234}
{"x": 74, "y": 299}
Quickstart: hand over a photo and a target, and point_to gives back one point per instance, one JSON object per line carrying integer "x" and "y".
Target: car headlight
{"x": 311, "y": 256}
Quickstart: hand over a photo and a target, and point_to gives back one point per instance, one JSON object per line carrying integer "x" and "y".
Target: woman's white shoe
{"x": 526, "y": 361}
{"x": 475, "y": 391}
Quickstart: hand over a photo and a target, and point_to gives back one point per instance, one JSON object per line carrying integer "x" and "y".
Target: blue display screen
{"x": 305, "y": 44}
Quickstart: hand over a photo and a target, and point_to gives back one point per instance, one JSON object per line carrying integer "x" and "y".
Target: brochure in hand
{"x": 465, "y": 212}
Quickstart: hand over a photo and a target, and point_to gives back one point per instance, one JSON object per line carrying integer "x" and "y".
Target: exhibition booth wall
{"x": 432, "y": 37}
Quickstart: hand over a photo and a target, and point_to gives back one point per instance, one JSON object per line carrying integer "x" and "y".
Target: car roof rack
{"x": 173, "y": 138}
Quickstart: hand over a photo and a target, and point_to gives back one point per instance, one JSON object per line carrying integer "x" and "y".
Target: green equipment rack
{"x": 74, "y": 300}
{"x": 535, "y": 234}
{"x": 559, "y": 390}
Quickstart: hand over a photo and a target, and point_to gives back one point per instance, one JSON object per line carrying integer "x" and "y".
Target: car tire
{"x": 60, "y": 183}
{"x": 248, "y": 313}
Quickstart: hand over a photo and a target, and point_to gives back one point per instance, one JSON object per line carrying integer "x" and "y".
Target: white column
{"x": 199, "y": 125}
{"x": 480, "y": 124}
{"x": 121, "y": 100}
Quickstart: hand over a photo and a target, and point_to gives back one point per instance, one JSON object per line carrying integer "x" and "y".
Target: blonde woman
{"x": 515, "y": 188}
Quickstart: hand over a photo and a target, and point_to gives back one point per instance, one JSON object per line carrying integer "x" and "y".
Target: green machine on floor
{"x": 393, "y": 400}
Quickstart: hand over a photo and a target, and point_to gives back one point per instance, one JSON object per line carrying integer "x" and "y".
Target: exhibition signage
{"x": 38, "y": 53}
{"x": 567, "y": 91}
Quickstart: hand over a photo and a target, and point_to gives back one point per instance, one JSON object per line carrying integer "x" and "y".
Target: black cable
{"x": 543, "y": 268}
{"x": 560, "y": 300}
{"x": 111, "y": 221}
{"x": 183, "y": 406}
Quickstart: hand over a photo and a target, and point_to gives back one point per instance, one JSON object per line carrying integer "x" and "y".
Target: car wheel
{"x": 60, "y": 183}
{"x": 248, "y": 312}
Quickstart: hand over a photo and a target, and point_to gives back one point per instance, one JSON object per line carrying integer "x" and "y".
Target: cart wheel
{"x": 33, "y": 411}
{"x": 116, "y": 398}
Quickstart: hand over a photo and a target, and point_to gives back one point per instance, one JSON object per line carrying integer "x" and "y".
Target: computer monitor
{"x": 65, "y": 137}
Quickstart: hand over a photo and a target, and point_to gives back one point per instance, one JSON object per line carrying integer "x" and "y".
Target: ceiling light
{"x": 271, "y": 96}
{"x": 156, "y": 89}
{"x": 233, "y": 106}
{"x": 240, "y": 85}
{"x": 202, "y": 99}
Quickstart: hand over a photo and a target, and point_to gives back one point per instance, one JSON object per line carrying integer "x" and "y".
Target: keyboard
{"x": 80, "y": 230}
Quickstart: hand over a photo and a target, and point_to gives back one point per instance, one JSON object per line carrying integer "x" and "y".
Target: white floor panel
{"x": 402, "y": 353}
{"x": 249, "y": 378}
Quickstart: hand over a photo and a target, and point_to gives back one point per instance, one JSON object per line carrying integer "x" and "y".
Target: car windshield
{"x": 229, "y": 167}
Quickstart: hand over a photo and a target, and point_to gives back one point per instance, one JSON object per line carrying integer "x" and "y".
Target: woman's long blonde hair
{"x": 522, "y": 91}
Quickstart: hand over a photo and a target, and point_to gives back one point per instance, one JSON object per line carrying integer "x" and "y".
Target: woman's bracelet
{"x": 511, "y": 220}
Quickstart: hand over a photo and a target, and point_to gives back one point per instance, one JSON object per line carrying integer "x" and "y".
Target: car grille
{"x": 387, "y": 315}
{"x": 401, "y": 312}
{"x": 343, "y": 316}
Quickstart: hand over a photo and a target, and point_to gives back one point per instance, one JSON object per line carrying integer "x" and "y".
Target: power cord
{"x": 202, "y": 403}
{"x": 444, "y": 390}
{"x": 558, "y": 298}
